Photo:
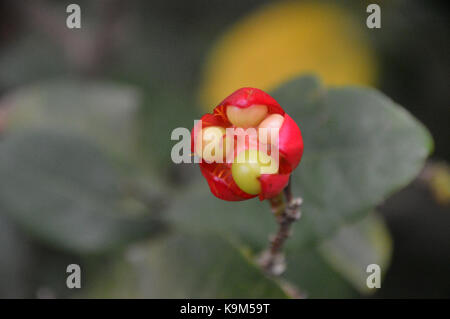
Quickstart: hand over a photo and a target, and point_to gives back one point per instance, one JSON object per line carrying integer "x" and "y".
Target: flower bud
{"x": 251, "y": 168}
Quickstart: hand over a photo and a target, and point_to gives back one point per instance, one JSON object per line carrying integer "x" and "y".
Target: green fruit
{"x": 247, "y": 169}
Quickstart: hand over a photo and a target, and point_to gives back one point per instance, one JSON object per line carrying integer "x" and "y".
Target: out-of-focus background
{"x": 86, "y": 116}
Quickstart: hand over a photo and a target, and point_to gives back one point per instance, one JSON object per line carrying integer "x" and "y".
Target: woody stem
{"x": 286, "y": 212}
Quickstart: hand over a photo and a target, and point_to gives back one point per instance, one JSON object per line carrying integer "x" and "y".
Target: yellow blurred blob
{"x": 440, "y": 183}
{"x": 284, "y": 39}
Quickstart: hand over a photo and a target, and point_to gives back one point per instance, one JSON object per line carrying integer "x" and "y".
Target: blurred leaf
{"x": 315, "y": 277}
{"x": 133, "y": 124}
{"x": 162, "y": 112}
{"x": 15, "y": 262}
{"x": 438, "y": 177}
{"x": 103, "y": 112}
{"x": 251, "y": 221}
{"x": 359, "y": 148}
{"x": 211, "y": 267}
{"x": 31, "y": 58}
{"x": 29, "y": 269}
{"x": 355, "y": 247}
{"x": 188, "y": 266}
{"x": 63, "y": 190}
{"x": 114, "y": 278}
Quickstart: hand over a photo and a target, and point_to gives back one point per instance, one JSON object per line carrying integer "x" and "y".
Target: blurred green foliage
{"x": 59, "y": 185}
{"x": 86, "y": 175}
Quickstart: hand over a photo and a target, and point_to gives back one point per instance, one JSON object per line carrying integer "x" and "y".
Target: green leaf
{"x": 187, "y": 265}
{"x": 359, "y": 148}
{"x": 251, "y": 221}
{"x": 63, "y": 190}
{"x": 356, "y": 246}
{"x": 315, "y": 277}
{"x": 163, "y": 111}
{"x": 105, "y": 113}
{"x": 29, "y": 59}
{"x": 16, "y": 258}
{"x": 337, "y": 267}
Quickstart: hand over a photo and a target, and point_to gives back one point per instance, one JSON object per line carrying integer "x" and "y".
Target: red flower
{"x": 234, "y": 180}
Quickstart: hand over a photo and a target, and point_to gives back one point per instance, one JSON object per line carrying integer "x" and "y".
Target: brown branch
{"x": 286, "y": 213}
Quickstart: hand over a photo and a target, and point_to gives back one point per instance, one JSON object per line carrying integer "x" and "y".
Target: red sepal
{"x": 272, "y": 185}
{"x": 290, "y": 145}
{"x": 221, "y": 183}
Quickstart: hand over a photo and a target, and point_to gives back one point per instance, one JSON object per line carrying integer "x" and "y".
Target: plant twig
{"x": 286, "y": 213}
